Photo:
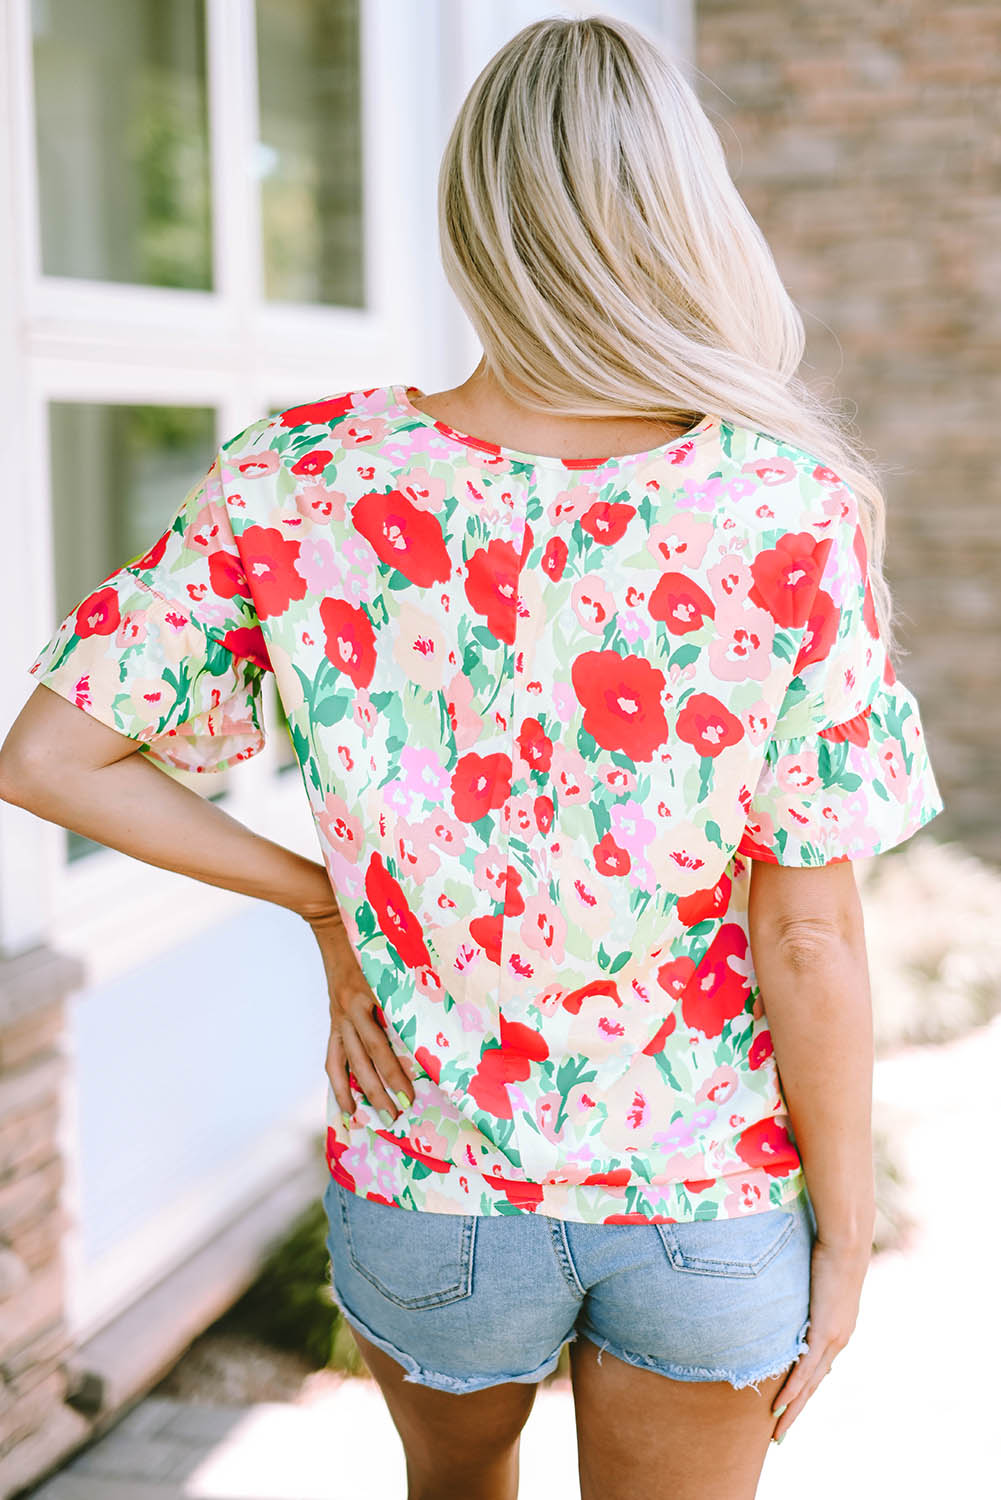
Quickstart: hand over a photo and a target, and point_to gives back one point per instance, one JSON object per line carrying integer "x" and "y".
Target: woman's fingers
{"x": 376, "y": 1043}
{"x": 806, "y": 1376}
{"x": 364, "y": 1070}
{"x": 337, "y": 1072}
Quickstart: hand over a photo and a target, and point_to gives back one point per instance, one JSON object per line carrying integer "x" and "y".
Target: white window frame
{"x": 80, "y": 340}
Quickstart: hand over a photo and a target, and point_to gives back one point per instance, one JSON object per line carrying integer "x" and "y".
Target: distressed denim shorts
{"x": 466, "y": 1301}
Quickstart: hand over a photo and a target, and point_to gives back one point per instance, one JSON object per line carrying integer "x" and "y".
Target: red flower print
{"x": 620, "y": 696}
{"x": 430, "y": 1062}
{"x": 718, "y": 990}
{"x": 607, "y": 520}
{"x": 543, "y": 807}
{"x": 312, "y": 463}
{"x": 479, "y": 783}
{"x": 248, "y": 641}
{"x": 821, "y": 631}
{"x": 675, "y": 976}
{"x": 486, "y": 933}
{"x": 319, "y": 412}
{"x": 349, "y": 639}
{"x": 855, "y": 731}
{"x": 768, "y": 1144}
{"x": 708, "y": 724}
{"x": 554, "y": 558}
{"x": 610, "y": 859}
{"x": 511, "y": 1062}
{"x": 269, "y": 564}
{"x": 760, "y": 1050}
{"x": 413, "y": 1150}
{"x": 335, "y": 1149}
{"x": 523, "y": 1194}
{"x": 680, "y": 603}
{"x": 535, "y": 745}
{"x": 656, "y": 1043}
{"x": 403, "y": 537}
{"x": 98, "y": 614}
{"x": 492, "y": 587}
{"x": 226, "y": 575}
{"x": 786, "y": 577}
{"x": 514, "y": 901}
{"x": 574, "y": 999}
{"x": 620, "y": 1177}
{"x": 393, "y": 914}
{"x": 155, "y": 553}
{"x": 702, "y": 906}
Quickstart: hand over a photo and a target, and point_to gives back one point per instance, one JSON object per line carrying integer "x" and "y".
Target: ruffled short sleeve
{"x": 846, "y": 771}
{"x": 168, "y": 650}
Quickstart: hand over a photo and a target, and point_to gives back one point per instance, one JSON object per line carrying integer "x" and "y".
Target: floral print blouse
{"x": 547, "y": 713}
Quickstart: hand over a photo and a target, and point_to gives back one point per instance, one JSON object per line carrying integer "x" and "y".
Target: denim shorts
{"x": 466, "y": 1301}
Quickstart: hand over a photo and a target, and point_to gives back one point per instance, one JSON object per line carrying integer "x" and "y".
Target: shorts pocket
{"x": 740, "y": 1246}
{"x": 413, "y": 1257}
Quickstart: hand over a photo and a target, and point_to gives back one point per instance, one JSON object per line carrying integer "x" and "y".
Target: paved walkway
{"x": 911, "y": 1406}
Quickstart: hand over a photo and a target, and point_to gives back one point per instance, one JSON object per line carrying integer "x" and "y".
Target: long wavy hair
{"x": 591, "y": 231}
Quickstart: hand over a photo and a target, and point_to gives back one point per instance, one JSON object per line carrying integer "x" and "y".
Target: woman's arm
{"x": 808, "y": 948}
{"x": 68, "y": 767}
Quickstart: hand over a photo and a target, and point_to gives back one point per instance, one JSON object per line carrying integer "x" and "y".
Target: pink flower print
{"x": 419, "y": 648}
{"x": 412, "y": 849}
{"x": 631, "y": 829}
{"x": 772, "y": 470}
{"x": 466, "y": 723}
{"x": 720, "y": 1086}
{"x": 320, "y": 505}
{"x": 132, "y": 628}
{"x": 681, "y": 542}
{"x": 564, "y": 700}
{"x": 730, "y": 580}
{"x": 633, "y": 626}
{"x": 423, "y": 492}
{"x": 799, "y": 772}
{"x": 364, "y": 715}
{"x": 317, "y": 563}
{"x": 569, "y": 772}
{"x": 543, "y": 927}
{"x": 547, "y": 1003}
{"x": 617, "y": 778}
{"x": 894, "y": 772}
{"x": 424, "y": 775}
{"x": 747, "y": 1193}
{"x": 445, "y": 831}
{"x": 547, "y": 1109}
{"x": 592, "y": 603}
{"x": 522, "y": 820}
{"x": 757, "y": 722}
{"x": 343, "y": 830}
{"x": 707, "y": 494}
{"x": 570, "y": 504}
{"x": 742, "y": 649}
{"x": 738, "y": 489}
{"x": 490, "y": 872}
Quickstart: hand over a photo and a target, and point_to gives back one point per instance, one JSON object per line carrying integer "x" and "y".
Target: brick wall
{"x": 865, "y": 138}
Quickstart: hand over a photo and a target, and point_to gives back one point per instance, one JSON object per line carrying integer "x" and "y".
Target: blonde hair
{"x": 591, "y": 231}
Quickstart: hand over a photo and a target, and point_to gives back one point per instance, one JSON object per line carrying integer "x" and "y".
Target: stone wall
{"x": 36, "y": 1425}
{"x": 865, "y": 138}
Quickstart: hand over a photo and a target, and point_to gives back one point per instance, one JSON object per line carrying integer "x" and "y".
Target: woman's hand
{"x": 358, "y": 1047}
{"x": 836, "y": 1277}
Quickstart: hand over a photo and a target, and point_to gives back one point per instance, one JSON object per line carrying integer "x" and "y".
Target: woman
{"x": 591, "y": 743}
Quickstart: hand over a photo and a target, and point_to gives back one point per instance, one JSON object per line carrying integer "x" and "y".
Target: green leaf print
{"x": 620, "y": 960}
{"x": 365, "y": 919}
{"x": 486, "y": 638}
{"x": 398, "y": 580}
{"x": 330, "y": 710}
{"x": 684, "y": 656}
{"x": 707, "y": 1211}
{"x": 603, "y": 958}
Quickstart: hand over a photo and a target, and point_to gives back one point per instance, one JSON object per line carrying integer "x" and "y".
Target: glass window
{"x": 121, "y": 122}
{"x": 310, "y": 150}
{"x": 118, "y": 475}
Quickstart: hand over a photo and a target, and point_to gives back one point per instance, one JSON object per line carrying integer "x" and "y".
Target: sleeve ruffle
{"x": 144, "y": 667}
{"x": 847, "y": 791}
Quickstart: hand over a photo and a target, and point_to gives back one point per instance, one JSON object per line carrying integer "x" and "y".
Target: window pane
{"x": 121, "y": 124}
{"x": 309, "y": 153}
{"x": 118, "y": 475}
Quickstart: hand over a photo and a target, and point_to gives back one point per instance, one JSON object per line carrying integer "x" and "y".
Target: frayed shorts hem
{"x": 459, "y": 1385}
{"x": 737, "y": 1378}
